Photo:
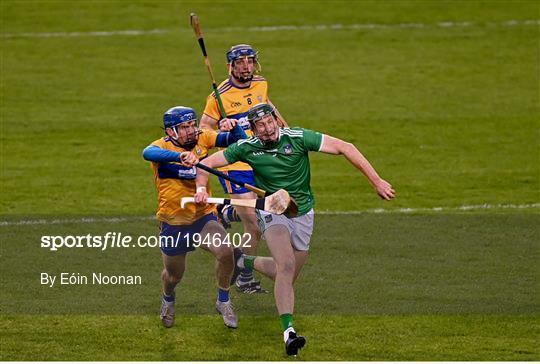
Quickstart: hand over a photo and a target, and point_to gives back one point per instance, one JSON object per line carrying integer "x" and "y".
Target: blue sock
{"x": 223, "y": 296}
{"x": 169, "y": 298}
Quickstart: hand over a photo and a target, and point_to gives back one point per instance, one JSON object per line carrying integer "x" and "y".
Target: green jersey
{"x": 281, "y": 165}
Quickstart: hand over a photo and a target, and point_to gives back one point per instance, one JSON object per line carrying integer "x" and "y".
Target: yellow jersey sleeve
{"x": 212, "y": 109}
{"x": 208, "y": 138}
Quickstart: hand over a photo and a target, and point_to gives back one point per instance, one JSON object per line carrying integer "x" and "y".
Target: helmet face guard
{"x": 258, "y": 112}
{"x": 242, "y": 52}
{"x": 178, "y": 115}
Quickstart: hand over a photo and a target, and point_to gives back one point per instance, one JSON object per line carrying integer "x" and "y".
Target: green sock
{"x": 249, "y": 261}
{"x": 286, "y": 320}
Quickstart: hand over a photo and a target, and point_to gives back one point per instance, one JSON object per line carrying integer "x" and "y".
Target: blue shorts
{"x": 242, "y": 176}
{"x": 180, "y": 237}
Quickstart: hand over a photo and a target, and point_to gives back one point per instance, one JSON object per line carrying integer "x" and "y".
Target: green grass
{"x": 449, "y": 115}
{"x": 413, "y": 337}
{"x": 424, "y": 287}
{"x": 418, "y": 264}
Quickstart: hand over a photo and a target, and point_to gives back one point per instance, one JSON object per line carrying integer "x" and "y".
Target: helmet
{"x": 240, "y": 51}
{"x": 177, "y": 115}
{"x": 258, "y": 111}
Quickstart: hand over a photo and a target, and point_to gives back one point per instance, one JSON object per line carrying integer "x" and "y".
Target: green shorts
{"x": 300, "y": 227}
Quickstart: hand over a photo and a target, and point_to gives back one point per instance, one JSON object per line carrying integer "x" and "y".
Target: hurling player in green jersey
{"x": 279, "y": 158}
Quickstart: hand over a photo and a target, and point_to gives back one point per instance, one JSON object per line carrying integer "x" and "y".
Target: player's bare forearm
{"x": 333, "y": 145}
{"x": 357, "y": 159}
{"x": 214, "y": 161}
{"x": 201, "y": 181}
{"x": 281, "y": 121}
{"x": 207, "y": 122}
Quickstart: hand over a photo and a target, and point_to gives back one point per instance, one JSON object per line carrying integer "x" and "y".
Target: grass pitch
{"x": 441, "y": 96}
{"x": 332, "y": 337}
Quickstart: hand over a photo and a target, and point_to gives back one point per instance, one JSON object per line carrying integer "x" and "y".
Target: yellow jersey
{"x": 174, "y": 181}
{"x": 237, "y": 101}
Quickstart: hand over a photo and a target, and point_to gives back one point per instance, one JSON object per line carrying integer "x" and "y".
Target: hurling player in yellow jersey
{"x": 181, "y": 230}
{"x": 243, "y": 89}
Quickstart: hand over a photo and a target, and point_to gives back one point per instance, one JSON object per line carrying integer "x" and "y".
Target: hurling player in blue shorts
{"x": 244, "y": 88}
{"x": 172, "y": 160}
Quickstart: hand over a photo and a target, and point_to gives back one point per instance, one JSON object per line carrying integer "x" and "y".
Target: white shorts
{"x": 300, "y": 227}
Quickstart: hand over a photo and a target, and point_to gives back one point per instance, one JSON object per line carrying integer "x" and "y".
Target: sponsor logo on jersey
{"x": 187, "y": 173}
{"x": 259, "y": 97}
{"x": 244, "y": 123}
{"x": 235, "y": 104}
{"x": 258, "y": 153}
{"x": 268, "y": 218}
{"x": 287, "y": 149}
{"x": 248, "y": 95}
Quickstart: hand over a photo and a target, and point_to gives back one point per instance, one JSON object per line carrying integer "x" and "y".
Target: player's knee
{"x": 286, "y": 267}
{"x": 224, "y": 254}
{"x": 212, "y": 228}
{"x": 172, "y": 276}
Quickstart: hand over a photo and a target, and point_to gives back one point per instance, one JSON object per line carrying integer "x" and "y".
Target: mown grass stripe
{"x": 277, "y": 28}
{"x": 405, "y": 210}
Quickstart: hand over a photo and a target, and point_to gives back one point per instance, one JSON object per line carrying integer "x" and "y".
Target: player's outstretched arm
{"x": 331, "y": 145}
{"x": 216, "y": 160}
{"x": 153, "y": 153}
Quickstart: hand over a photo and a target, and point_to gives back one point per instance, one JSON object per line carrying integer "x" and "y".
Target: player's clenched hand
{"x": 226, "y": 124}
{"x": 385, "y": 190}
{"x": 201, "y": 196}
{"x": 188, "y": 159}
